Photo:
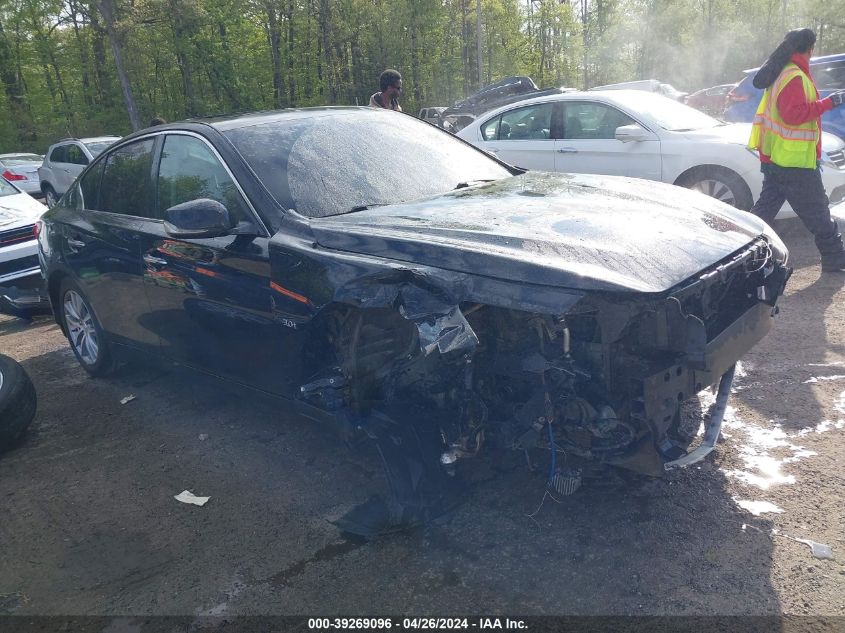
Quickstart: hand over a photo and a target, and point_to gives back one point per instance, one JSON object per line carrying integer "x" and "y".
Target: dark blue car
{"x": 376, "y": 272}
{"x": 829, "y": 75}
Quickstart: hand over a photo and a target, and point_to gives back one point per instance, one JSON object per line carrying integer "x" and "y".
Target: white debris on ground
{"x": 128, "y": 398}
{"x": 819, "y": 550}
{"x": 764, "y": 451}
{"x": 758, "y": 507}
{"x": 186, "y": 496}
{"x": 821, "y": 378}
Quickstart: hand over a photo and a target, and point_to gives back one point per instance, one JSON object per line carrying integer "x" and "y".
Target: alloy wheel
{"x": 51, "y": 198}
{"x": 81, "y": 329}
{"x": 716, "y": 189}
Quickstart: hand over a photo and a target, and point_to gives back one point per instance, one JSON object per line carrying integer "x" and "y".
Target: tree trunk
{"x": 105, "y": 92}
{"x": 107, "y": 11}
{"x": 84, "y": 59}
{"x": 291, "y": 49}
{"x": 325, "y": 38}
{"x": 274, "y": 39}
{"x": 182, "y": 34}
{"x": 12, "y": 86}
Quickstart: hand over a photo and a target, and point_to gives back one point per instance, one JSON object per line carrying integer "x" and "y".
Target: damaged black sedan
{"x": 386, "y": 276}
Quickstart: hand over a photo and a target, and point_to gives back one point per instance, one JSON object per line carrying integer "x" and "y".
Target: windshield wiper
{"x": 470, "y": 183}
{"x": 364, "y": 207}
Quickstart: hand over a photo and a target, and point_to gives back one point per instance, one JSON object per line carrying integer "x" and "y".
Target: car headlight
{"x": 779, "y": 250}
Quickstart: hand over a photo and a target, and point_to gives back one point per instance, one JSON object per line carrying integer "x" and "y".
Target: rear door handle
{"x": 152, "y": 260}
{"x": 567, "y": 150}
{"x": 74, "y": 243}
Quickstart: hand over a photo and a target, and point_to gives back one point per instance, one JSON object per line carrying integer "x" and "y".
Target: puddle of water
{"x": 757, "y": 507}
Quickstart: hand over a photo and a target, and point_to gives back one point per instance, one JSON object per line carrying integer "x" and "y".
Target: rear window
{"x": 59, "y": 154}
{"x": 6, "y": 189}
{"x": 96, "y": 147}
{"x": 830, "y": 77}
{"x": 327, "y": 165}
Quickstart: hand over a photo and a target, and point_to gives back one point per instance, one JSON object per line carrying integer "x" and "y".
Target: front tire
{"x": 84, "y": 332}
{"x": 51, "y": 198}
{"x": 720, "y": 183}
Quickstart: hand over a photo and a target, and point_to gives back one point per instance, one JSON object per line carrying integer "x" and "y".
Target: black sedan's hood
{"x": 572, "y": 231}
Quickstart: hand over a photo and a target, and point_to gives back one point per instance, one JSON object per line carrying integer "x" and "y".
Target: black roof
{"x": 247, "y": 119}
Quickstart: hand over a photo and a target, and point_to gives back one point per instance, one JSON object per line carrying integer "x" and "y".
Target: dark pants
{"x": 804, "y": 190}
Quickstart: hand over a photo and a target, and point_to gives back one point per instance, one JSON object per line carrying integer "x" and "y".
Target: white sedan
{"x": 637, "y": 134}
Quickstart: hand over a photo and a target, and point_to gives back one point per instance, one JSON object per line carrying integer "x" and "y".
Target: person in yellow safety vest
{"x": 787, "y": 135}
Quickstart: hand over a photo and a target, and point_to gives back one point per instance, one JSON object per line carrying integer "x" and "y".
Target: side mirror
{"x": 627, "y": 133}
{"x": 197, "y": 219}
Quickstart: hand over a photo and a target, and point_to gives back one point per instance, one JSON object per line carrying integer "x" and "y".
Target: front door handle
{"x": 74, "y": 243}
{"x": 152, "y": 260}
{"x": 567, "y": 150}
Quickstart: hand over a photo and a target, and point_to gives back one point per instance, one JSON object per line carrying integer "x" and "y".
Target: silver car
{"x": 65, "y": 160}
{"x": 22, "y": 169}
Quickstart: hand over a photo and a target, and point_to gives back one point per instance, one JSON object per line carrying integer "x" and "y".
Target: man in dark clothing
{"x": 390, "y": 82}
{"x": 787, "y": 135}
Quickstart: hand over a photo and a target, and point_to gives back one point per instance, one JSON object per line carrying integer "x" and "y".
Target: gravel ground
{"x": 89, "y": 525}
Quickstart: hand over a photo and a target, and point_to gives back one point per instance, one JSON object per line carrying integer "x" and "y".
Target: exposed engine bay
{"x": 603, "y": 382}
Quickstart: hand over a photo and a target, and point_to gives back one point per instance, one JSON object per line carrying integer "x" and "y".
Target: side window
{"x": 531, "y": 122}
{"x": 126, "y": 187}
{"x": 830, "y": 77}
{"x": 584, "y": 120}
{"x": 490, "y": 130}
{"x": 88, "y": 188}
{"x": 59, "y": 154}
{"x": 189, "y": 170}
{"x": 76, "y": 156}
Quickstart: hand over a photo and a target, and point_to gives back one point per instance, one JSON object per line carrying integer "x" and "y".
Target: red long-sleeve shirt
{"x": 794, "y": 108}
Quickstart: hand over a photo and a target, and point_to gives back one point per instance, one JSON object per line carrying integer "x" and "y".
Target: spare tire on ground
{"x": 17, "y": 402}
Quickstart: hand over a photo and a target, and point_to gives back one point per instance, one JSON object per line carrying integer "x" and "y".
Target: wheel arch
{"x": 54, "y": 286}
{"x": 690, "y": 175}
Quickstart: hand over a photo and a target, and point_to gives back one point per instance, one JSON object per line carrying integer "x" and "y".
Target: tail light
{"x": 36, "y": 229}
{"x": 733, "y": 97}
{"x": 10, "y": 176}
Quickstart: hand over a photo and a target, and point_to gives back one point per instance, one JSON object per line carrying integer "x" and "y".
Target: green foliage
{"x": 189, "y": 58}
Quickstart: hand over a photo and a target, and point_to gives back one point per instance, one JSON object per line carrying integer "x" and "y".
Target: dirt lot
{"x": 90, "y": 526}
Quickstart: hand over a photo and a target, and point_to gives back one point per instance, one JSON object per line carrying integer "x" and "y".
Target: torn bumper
{"x": 713, "y": 427}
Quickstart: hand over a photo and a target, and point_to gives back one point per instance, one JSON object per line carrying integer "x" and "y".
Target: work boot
{"x": 832, "y": 251}
{"x": 834, "y": 263}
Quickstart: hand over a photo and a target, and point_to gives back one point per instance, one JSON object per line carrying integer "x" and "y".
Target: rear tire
{"x": 720, "y": 183}
{"x": 83, "y": 330}
{"x": 17, "y": 402}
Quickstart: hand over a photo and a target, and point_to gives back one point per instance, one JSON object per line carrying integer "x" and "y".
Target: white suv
{"x": 65, "y": 160}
